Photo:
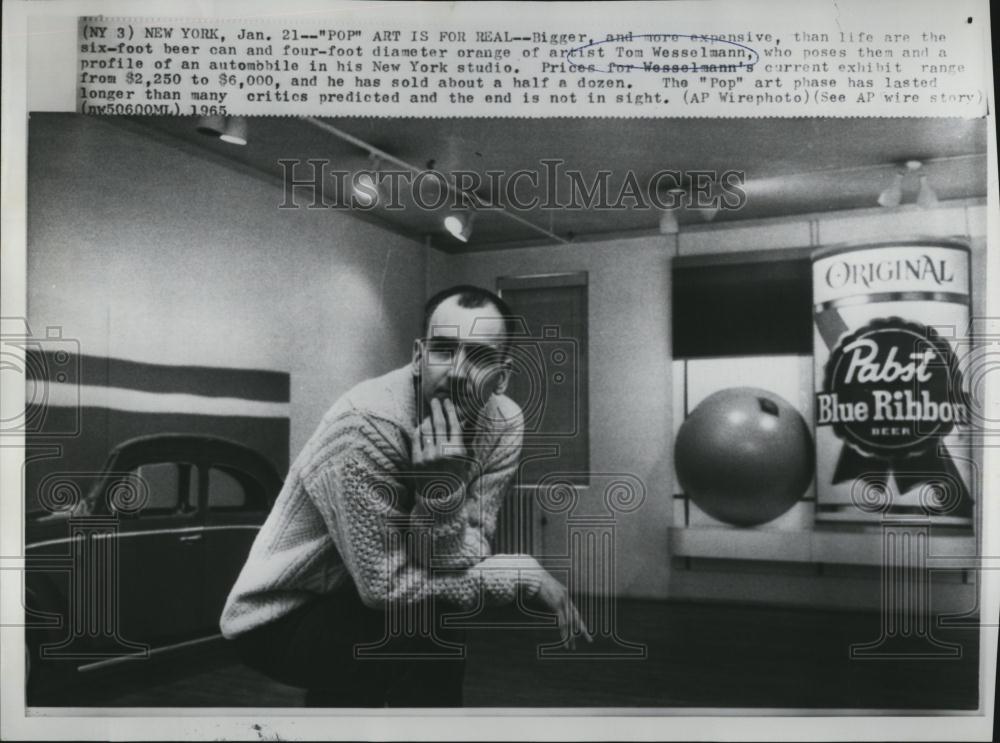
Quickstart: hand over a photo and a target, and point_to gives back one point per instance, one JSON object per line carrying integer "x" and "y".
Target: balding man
{"x": 431, "y": 447}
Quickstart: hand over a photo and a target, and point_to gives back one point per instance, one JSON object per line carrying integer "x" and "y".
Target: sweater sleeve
{"x": 464, "y": 521}
{"x": 357, "y": 489}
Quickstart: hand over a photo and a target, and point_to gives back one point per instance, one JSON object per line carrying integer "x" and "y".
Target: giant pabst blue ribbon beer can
{"x": 891, "y": 409}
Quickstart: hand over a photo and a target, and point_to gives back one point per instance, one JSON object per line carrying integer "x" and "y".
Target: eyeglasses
{"x": 446, "y": 350}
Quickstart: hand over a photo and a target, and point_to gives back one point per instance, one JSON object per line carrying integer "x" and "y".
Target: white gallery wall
{"x": 143, "y": 250}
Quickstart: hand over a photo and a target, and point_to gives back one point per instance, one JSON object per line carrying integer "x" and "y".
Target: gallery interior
{"x": 752, "y": 502}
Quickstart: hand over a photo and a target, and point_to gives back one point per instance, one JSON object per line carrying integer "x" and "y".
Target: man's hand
{"x": 437, "y": 444}
{"x": 554, "y": 595}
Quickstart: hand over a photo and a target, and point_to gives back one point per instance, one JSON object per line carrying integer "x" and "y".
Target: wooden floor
{"x": 696, "y": 655}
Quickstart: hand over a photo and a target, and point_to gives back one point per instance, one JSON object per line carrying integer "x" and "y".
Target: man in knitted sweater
{"x": 386, "y": 516}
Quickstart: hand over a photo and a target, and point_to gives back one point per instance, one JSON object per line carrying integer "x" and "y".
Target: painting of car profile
{"x": 140, "y": 562}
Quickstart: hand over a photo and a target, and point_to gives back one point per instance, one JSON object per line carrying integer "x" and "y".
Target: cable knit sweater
{"x": 351, "y": 506}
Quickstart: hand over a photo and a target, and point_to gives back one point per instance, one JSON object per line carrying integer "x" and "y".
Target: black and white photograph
{"x": 576, "y": 413}
{"x": 520, "y": 416}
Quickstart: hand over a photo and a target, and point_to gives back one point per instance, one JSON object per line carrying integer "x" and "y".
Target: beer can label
{"x": 891, "y": 408}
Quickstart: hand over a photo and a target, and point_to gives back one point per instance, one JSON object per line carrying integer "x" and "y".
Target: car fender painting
{"x": 145, "y": 486}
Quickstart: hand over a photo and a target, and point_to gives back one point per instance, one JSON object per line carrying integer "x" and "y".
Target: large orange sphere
{"x": 744, "y": 455}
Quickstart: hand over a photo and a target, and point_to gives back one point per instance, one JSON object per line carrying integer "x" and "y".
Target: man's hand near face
{"x": 438, "y": 449}
{"x": 438, "y": 445}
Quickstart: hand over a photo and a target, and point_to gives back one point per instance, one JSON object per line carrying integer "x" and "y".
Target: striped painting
{"x": 79, "y": 407}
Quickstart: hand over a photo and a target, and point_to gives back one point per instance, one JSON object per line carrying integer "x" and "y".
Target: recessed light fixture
{"x": 460, "y": 225}
{"x": 236, "y": 131}
{"x": 926, "y": 197}
{"x": 668, "y": 220}
{"x": 232, "y": 129}
{"x": 366, "y": 183}
{"x": 893, "y": 194}
{"x": 668, "y": 223}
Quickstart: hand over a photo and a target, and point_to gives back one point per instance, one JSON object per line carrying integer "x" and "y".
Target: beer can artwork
{"x": 891, "y": 407}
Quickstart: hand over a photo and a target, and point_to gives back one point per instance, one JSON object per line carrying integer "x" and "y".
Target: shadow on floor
{"x": 691, "y": 655}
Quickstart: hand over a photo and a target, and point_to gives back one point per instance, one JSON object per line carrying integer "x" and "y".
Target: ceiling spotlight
{"x": 668, "y": 223}
{"x": 668, "y": 220}
{"x": 211, "y": 126}
{"x": 459, "y": 225}
{"x": 367, "y": 191}
{"x": 236, "y": 131}
{"x": 926, "y": 197}
{"x": 709, "y": 208}
{"x": 892, "y": 195}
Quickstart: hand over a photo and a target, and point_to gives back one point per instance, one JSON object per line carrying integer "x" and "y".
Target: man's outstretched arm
{"x": 362, "y": 501}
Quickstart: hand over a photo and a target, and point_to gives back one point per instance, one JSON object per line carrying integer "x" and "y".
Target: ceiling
{"x": 792, "y": 166}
